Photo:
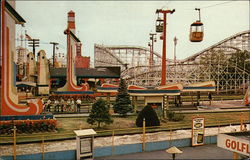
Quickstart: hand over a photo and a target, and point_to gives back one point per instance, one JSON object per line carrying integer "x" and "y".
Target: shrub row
{"x": 28, "y": 126}
{"x": 172, "y": 116}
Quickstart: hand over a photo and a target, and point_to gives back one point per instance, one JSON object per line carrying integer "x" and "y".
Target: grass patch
{"x": 126, "y": 125}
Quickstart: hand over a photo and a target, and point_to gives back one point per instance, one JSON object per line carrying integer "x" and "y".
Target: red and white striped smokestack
{"x": 71, "y": 21}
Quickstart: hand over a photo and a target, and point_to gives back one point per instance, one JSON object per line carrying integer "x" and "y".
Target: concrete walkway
{"x": 199, "y": 152}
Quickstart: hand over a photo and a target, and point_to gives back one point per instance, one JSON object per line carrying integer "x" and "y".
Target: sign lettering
{"x": 234, "y": 144}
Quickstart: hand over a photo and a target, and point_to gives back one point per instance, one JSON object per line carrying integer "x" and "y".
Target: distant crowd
{"x": 65, "y": 103}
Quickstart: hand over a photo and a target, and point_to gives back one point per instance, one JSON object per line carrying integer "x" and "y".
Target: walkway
{"x": 199, "y": 152}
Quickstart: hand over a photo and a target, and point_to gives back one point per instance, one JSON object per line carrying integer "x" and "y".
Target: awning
{"x": 25, "y": 84}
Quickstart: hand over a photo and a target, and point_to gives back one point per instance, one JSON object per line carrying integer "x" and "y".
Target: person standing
{"x": 48, "y": 105}
{"x": 210, "y": 98}
{"x": 68, "y": 104}
{"x": 56, "y": 104}
{"x": 78, "y": 102}
{"x": 62, "y": 102}
{"x": 72, "y": 104}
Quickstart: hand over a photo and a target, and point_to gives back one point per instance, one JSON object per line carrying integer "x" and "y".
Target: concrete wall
{"x": 116, "y": 150}
{"x": 62, "y": 155}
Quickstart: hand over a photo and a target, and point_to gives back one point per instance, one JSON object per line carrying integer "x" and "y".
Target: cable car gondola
{"x": 196, "y": 30}
{"x": 159, "y": 25}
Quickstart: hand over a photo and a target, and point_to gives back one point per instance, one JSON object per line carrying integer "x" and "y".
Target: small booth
{"x": 84, "y": 143}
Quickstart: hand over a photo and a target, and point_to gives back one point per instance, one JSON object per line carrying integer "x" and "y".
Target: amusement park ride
{"x": 196, "y": 30}
{"x": 9, "y": 98}
{"x": 72, "y": 41}
{"x": 157, "y": 93}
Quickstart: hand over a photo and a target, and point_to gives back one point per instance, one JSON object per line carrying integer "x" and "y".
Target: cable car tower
{"x": 161, "y": 26}
{"x": 196, "y": 30}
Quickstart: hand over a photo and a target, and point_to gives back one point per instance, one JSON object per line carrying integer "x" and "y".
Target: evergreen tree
{"x": 122, "y": 104}
{"x": 151, "y": 118}
{"x": 99, "y": 113}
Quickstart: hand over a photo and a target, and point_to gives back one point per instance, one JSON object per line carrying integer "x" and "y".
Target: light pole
{"x": 175, "y": 43}
{"x": 151, "y": 45}
{"x": 54, "y": 45}
{"x": 163, "y": 71}
{"x": 173, "y": 150}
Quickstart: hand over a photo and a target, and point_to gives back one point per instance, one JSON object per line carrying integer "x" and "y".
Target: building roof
{"x": 15, "y": 15}
{"x": 104, "y": 72}
{"x": 74, "y": 37}
{"x": 85, "y": 132}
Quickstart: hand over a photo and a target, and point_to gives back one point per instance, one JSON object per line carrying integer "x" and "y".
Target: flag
{"x": 28, "y": 37}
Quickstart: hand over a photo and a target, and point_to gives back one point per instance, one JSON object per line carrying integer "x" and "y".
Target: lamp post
{"x": 173, "y": 150}
{"x": 54, "y": 45}
{"x": 151, "y": 45}
{"x": 175, "y": 43}
{"x": 163, "y": 70}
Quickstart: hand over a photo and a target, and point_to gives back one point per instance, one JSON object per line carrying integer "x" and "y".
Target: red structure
{"x": 9, "y": 97}
{"x": 81, "y": 62}
{"x": 72, "y": 46}
{"x": 71, "y": 21}
{"x": 163, "y": 72}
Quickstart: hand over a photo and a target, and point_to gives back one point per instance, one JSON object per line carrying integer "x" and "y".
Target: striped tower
{"x": 72, "y": 42}
{"x": 71, "y": 21}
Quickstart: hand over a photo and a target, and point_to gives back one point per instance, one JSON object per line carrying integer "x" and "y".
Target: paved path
{"x": 199, "y": 152}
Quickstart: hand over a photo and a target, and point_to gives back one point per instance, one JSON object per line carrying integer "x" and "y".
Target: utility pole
{"x": 163, "y": 70}
{"x": 175, "y": 43}
{"x": 54, "y": 46}
{"x": 33, "y": 43}
{"x": 151, "y": 45}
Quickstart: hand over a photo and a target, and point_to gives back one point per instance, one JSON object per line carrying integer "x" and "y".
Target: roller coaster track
{"x": 245, "y": 35}
{"x": 211, "y": 63}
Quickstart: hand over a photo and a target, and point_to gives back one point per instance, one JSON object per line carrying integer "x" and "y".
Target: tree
{"x": 151, "y": 118}
{"x": 99, "y": 113}
{"x": 122, "y": 104}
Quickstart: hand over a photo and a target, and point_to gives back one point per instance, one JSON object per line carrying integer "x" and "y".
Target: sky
{"x": 130, "y": 22}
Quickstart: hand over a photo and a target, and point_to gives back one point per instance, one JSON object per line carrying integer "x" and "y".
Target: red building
{"x": 81, "y": 62}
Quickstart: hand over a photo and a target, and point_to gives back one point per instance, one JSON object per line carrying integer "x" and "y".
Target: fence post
{"x": 14, "y": 143}
{"x": 219, "y": 127}
{"x": 170, "y": 138}
{"x": 143, "y": 135}
{"x": 42, "y": 147}
{"x": 241, "y": 121}
{"x": 235, "y": 156}
{"x": 113, "y": 142}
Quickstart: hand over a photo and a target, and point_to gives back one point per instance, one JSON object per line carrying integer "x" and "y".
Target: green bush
{"x": 122, "y": 104}
{"x": 172, "y": 116}
{"x": 99, "y": 114}
{"x": 151, "y": 118}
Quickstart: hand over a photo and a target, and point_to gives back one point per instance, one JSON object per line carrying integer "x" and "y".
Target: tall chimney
{"x": 71, "y": 21}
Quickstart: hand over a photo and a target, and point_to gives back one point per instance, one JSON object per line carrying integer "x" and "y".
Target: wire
{"x": 217, "y": 4}
{"x": 191, "y": 9}
{"x": 168, "y": 2}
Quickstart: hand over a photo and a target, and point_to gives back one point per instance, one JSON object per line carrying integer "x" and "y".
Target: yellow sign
{"x": 198, "y": 131}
